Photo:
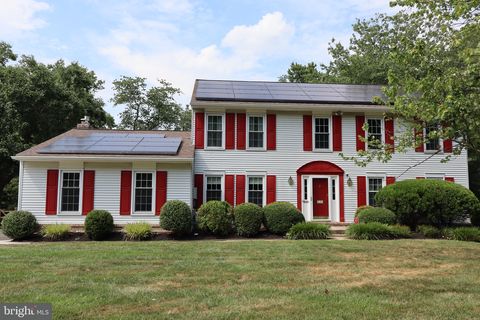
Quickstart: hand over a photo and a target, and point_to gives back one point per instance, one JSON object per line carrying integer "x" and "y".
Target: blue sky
{"x": 181, "y": 40}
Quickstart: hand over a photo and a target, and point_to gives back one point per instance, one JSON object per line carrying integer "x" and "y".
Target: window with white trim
{"x": 213, "y": 189}
{"x": 432, "y": 144}
{"x": 70, "y": 193}
{"x": 374, "y": 185}
{"x": 256, "y": 132}
{"x": 143, "y": 199}
{"x": 375, "y": 134}
{"x": 255, "y": 190}
{"x": 215, "y": 131}
{"x": 322, "y": 133}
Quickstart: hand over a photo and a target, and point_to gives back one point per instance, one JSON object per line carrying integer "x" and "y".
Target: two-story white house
{"x": 251, "y": 141}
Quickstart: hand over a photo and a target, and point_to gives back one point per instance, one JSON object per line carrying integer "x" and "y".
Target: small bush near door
{"x": 138, "y": 231}
{"x": 176, "y": 216}
{"x": 248, "y": 219}
{"x": 98, "y": 224}
{"x": 377, "y": 231}
{"x": 309, "y": 230}
{"x": 19, "y": 225}
{"x": 55, "y": 232}
{"x": 281, "y": 216}
{"x": 216, "y": 217}
{"x": 373, "y": 214}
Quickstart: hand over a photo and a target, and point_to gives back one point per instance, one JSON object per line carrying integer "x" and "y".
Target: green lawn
{"x": 258, "y": 279}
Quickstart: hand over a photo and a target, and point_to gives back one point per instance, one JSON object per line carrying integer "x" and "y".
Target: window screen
{"x": 214, "y": 131}
{"x": 70, "y": 191}
{"x": 255, "y": 190}
{"x": 214, "y": 188}
{"x": 322, "y": 133}
{"x": 255, "y": 132}
{"x": 143, "y": 191}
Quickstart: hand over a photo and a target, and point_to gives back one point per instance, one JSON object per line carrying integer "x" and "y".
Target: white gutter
{"x": 289, "y": 106}
{"x": 101, "y": 158}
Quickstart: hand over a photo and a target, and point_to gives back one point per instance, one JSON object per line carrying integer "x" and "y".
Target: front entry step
{"x": 337, "y": 228}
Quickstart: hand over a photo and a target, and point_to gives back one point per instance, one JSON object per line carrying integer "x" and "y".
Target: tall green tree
{"x": 308, "y": 73}
{"x": 148, "y": 108}
{"x": 39, "y": 101}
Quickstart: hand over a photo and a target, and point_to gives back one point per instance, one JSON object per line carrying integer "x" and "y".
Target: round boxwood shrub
{"x": 432, "y": 202}
{"x": 308, "y": 231}
{"x": 281, "y": 216}
{"x": 98, "y": 224}
{"x": 215, "y": 217}
{"x": 360, "y": 209}
{"x": 176, "y": 216}
{"x": 374, "y": 214}
{"x": 19, "y": 225}
{"x": 248, "y": 219}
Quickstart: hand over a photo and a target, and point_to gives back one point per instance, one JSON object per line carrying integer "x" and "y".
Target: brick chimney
{"x": 84, "y": 123}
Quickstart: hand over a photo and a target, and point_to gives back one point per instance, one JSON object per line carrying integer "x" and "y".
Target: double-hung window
{"x": 143, "y": 192}
{"x": 215, "y": 131}
{"x": 256, "y": 132}
{"x": 213, "y": 190}
{"x": 374, "y": 133}
{"x": 70, "y": 193}
{"x": 374, "y": 185}
{"x": 431, "y": 144}
{"x": 255, "y": 189}
{"x": 322, "y": 133}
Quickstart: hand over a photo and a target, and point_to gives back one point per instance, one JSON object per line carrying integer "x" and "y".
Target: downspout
{"x": 20, "y": 186}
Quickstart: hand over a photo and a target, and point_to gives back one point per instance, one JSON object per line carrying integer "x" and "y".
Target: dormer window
{"x": 214, "y": 131}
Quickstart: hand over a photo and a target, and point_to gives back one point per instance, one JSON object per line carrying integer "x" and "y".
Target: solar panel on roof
{"x": 109, "y": 143}
{"x": 218, "y": 90}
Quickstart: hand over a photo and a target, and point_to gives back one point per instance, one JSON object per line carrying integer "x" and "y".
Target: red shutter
{"x": 271, "y": 132}
{"x": 361, "y": 191}
{"x": 52, "y": 192}
{"x": 307, "y": 133}
{"x": 390, "y": 180}
{"x": 229, "y": 189}
{"x": 125, "y": 192}
{"x": 161, "y": 191}
{"x": 241, "y": 130}
{"x": 451, "y": 179}
{"x": 419, "y": 134}
{"x": 447, "y": 146}
{"x": 240, "y": 188}
{"x": 418, "y": 178}
{"x": 88, "y": 191}
{"x": 199, "y": 185}
{"x": 271, "y": 189}
{"x": 230, "y": 131}
{"x": 389, "y": 133}
{"x": 337, "y": 132}
{"x": 359, "y": 122}
{"x": 199, "y": 130}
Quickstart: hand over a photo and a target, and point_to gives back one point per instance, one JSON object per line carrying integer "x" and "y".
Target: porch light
{"x": 349, "y": 181}
{"x": 290, "y": 181}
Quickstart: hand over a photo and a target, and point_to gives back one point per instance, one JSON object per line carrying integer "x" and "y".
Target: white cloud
{"x": 20, "y": 16}
{"x": 152, "y": 53}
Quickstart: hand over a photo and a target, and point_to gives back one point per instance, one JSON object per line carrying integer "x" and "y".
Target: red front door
{"x": 320, "y": 198}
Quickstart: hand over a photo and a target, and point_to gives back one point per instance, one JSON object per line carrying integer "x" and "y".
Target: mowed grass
{"x": 252, "y": 279}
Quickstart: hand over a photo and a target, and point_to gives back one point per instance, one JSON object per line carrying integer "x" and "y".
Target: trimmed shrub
{"x": 430, "y": 231}
{"x": 381, "y": 215}
{"x": 215, "y": 217}
{"x": 308, "y": 230}
{"x": 463, "y": 234}
{"x": 432, "y": 202}
{"x": 357, "y": 212}
{"x": 176, "y": 216}
{"x": 248, "y": 219}
{"x": 138, "y": 231}
{"x": 19, "y": 225}
{"x": 376, "y": 231}
{"x": 55, "y": 232}
{"x": 281, "y": 216}
{"x": 98, "y": 224}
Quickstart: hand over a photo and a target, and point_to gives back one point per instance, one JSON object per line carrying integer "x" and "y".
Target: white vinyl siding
{"x": 289, "y": 156}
